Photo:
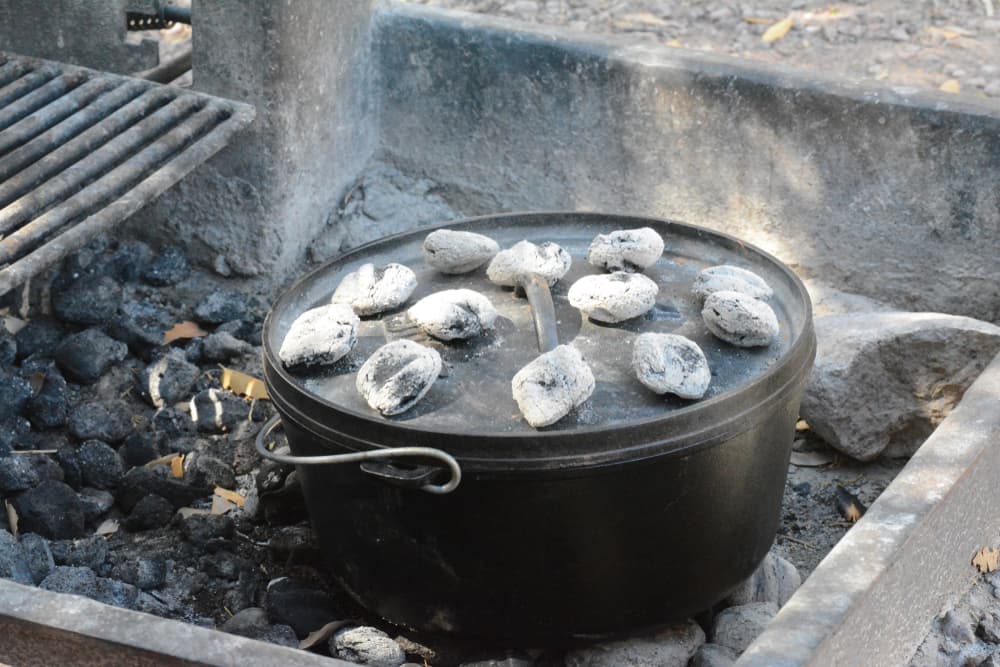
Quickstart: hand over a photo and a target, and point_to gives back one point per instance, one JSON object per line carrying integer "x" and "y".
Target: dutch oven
{"x": 634, "y": 511}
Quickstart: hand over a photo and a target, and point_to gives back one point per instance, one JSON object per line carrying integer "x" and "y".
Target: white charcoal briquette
{"x": 626, "y": 249}
{"x": 553, "y": 384}
{"x": 370, "y": 290}
{"x": 524, "y": 258}
{"x": 726, "y": 278}
{"x": 320, "y": 336}
{"x": 739, "y": 319}
{"x": 613, "y": 297}
{"x": 454, "y": 314}
{"x": 671, "y": 364}
{"x": 397, "y": 376}
{"x": 455, "y": 252}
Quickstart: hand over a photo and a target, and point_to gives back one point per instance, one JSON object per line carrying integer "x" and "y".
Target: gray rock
{"x": 8, "y": 347}
{"x": 397, "y": 376}
{"x": 726, "y": 278}
{"x": 128, "y": 261}
{"x": 100, "y": 465}
{"x": 626, "y": 249}
{"x": 169, "y": 268}
{"x": 14, "y": 394}
{"x": 85, "y": 356}
{"x": 454, "y": 314}
{"x": 511, "y": 266}
{"x": 13, "y": 564}
{"x": 116, "y": 593}
{"x": 88, "y": 300}
{"x": 713, "y": 655}
{"x": 370, "y": 290}
{"x": 211, "y": 471}
{"x": 208, "y": 530}
{"x": 223, "y": 306}
{"x": 86, "y": 552}
{"x": 671, "y": 364}
{"x": 883, "y": 381}
{"x": 96, "y": 503}
{"x": 672, "y": 647}
{"x": 217, "y": 411}
{"x": 141, "y": 326}
{"x": 366, "y": 646}
{"x": 52, "y": 510}
{"x": 140, "y": 482}
{"x": 300, "y": 604}
{"x": 957, "y": 625}
{"x": 152, "y": 511}
{"x": 168, "y": 380}
{"x": 547, "y": 388}
{"x": 223, "y": 346}
{"x": 72, "y": 580}
{"x": 320, "y": 336}
{"x": 989, "y": 627}
{"x": 110, "y": 421}
{"x": 17, "y": 474}
{"x": 252, "y": 622}
{"x": 739, "y": 319}
{"x": 737, "y": 627}
{"x": 141, "y": 448}
{"x": 143, "y": 573}
{"x": 41, "y": 335}
{"x": 37, "y": 556}
{"x": 49, "y": 408}
{"x": 454, "y": 252}
{"x": 775, "y": 580}
{"x": 613, "y": 297}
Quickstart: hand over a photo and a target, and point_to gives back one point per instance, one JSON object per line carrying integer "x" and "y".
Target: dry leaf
{"x": 13, "y": 324}
{"x": 107, "y": 527}
{"x": 849, "y": 506}
{"x": 987, "y": 560}
{"x": 177, "y": 466}
{"x": 12, "y": 518}
{"x": 242, "y": 384}
{"x": 231, "y": 496}
{"x": 183, "y": 331}
{"x": 777, "y": 31}
{"x": 167, "y": 459}
{"x": 950, "y": 86}
{"x": 811, "y": 459}
{"x": 757, "y": 21}
{"x": 317, "y": 637}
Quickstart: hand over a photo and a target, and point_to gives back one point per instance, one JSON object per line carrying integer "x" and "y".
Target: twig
{"x": 35, "y": 451}
{"x": 798, "y": 541}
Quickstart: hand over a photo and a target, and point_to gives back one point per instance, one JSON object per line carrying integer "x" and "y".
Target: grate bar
{"x": 25, "y": 84}
{"x": 120, "y": 103}
{"x": 80, "y": 173}
{"x": 83, "y": 150}
{"x": 109, "y": 186}
{"x": 39, "y": 97}
{"x": 52, "y": 113}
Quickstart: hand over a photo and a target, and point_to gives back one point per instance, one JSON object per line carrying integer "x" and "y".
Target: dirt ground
{"x": 952, "y": 45}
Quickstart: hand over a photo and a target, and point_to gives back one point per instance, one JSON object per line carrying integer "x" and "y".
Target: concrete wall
{"x": 885, "y": 193}
{"x": 305, "y": 66}
{"x": 81, "y": 32}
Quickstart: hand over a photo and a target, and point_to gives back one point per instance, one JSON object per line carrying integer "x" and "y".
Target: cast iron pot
{"x": 651, "y": 512}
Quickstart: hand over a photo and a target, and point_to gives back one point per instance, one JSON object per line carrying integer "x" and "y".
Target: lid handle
{"x": 543, "y": 311}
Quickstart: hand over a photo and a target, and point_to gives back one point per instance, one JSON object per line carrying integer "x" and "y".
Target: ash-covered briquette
{"x": 454, "y": 252}
{"x": 726, "y": 278}
{"x": 739, "y": 319}
{"x": 553, "y": 384}
{"x": 671, "y": 364}
{"x": 397, "y": 376}
{"x": 370, "y": 291}
{"x": 454, "y": 314}
{"x": 626, "y": 249}
{"x": 511, "y": 266}
{"x": 320, "y": 336}
{"x": 614, "y": 297}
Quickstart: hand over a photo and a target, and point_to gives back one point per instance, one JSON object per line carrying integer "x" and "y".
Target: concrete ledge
{"x": 42, "y": 628}
{"x": 872, "y": 599}
{"x": 881, "y": 191}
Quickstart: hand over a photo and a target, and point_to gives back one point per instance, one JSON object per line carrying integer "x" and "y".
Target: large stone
{"x": 52, "y": 510}
{"x": 737, "y": 627}
{"x": 883, "y": 381}
{"x": 367, "y": 646}
{"x": 85, "y": 356}
{"x": 168, "y": 379}
{"x": 775, "y": 580}
{"x": 14, "y": 394}
{"x": 13, "y": 564}
{"x": 672, "y": 647}
{"x": 110, "y": 421}
{"x": 713, "y": 655}
{"x": 89, "y": 300}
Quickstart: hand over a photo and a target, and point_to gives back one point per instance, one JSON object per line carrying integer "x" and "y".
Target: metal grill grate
{"x": 81, "y": 151}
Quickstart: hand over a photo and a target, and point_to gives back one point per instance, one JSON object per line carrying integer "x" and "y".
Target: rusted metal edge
{"x": 125, "y": 206}
{"x": 871, "y": 601}
{"x": 40, "y": 627}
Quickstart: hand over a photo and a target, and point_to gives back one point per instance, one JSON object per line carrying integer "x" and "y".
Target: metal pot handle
{"x": 368, "y": 455}
{"x": 543, "y": 311}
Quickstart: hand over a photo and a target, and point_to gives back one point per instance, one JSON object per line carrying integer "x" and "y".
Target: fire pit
{"x": 651, "y": 508}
